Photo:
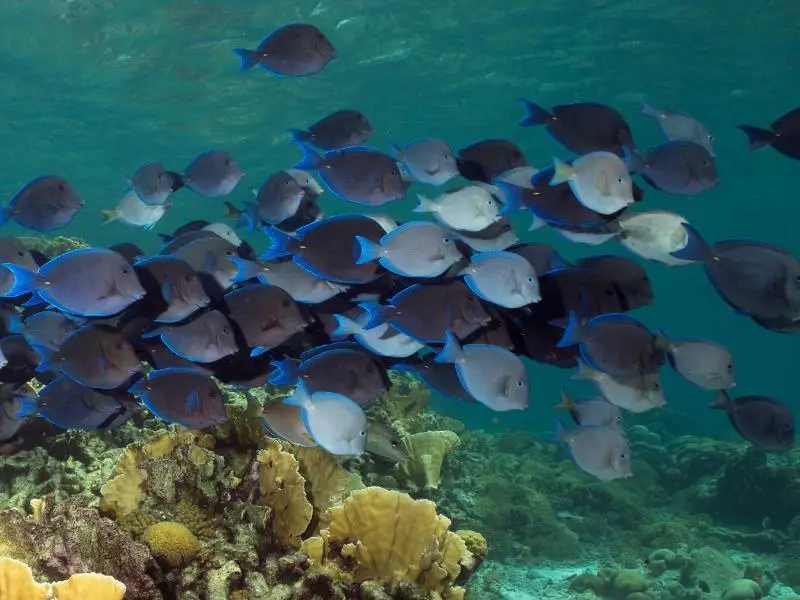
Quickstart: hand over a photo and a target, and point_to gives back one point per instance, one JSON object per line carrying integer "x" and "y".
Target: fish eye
{"x": 229, "y": 252}
{"x": 531, "y": 279}
{"x": 394, "y": 444}
{"x": 730, "y": 368}
{"x": 286, "y": 303}
{"x": 362, "y": 433}
{"x": 119, "y": 345}
{"x": 61, "y": 187}
{"x": 520, "y": 384}
{"x": 657, "y": 386}
{"x": 125, "y": 270}
{"x": 620, "y": 180}
{"x": 227, "y": 162}
{"x": 446, "y": 240}
{"x": 20, "y": 254}
{"x": 189, "y": 277}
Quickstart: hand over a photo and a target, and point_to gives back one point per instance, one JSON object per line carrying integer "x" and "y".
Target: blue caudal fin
{"x": 452, "y": 352}
{"x": 311, "y": 161}
{"x": 696, "y": 248}
{"x": 377, "y": 314}
{"x": 27, "y": 406}
{"x": 285, "y": 372}
{"x": 258, "y": 351}
{"x": 25, "y": 281}
{"x": 279, "y": 244}
{"x": 633, "y": 160}
{"x": 299, "y": 136}
{"x": 369, "y": 250}
{"x": 534, "y": 114}
{"x": 559, "y": 431}
{"x": 345, "y": 326}
{"x": 756, "y": 136}
{"x": 245, "y": 269}
{"x": 513, "y": 194}
{"x": 248, "y": 58}
{"x": 572, "y": 332}
{"x": 247, "y": 217}
{"x": 15, "y": 325}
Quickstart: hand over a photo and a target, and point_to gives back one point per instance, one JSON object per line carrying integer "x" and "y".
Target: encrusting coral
{"x": 17, "y": 583}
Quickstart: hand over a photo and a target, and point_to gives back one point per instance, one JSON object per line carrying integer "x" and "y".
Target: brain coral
{"x": 171, "y": 543}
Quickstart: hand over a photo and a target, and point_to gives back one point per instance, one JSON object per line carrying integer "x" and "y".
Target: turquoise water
{"x": 93, "y": 88}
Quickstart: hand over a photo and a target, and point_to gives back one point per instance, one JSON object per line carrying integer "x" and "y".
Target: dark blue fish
{"x": 96, "y": 356}
{"x": 208, "y": 338}
{"x": 328, "y": 248}
{"x": 153, "y": 184}
{"x": 616, "y": 344}
{"x": 212, "y": 174}
{"x": 90, "y": 282}
{"x": 187, "y": 397}
{"x": 46, "y": 328}
{"x": 341, "y": 129}
{"x": 69, "y": 405}
{"x": 294, "y": 50}
{"x": 43, "y": 204}
{"x": 783, "y": 135}
{"x": 678, "y": 167}
{"x": 357, "y": 174}
{"x": 277, "y": 199}
{"x": 756, "y": 279}
{"x": 582, "y": 127}
{"x": 488, "y": 159}
{"x": 767, "y": 423}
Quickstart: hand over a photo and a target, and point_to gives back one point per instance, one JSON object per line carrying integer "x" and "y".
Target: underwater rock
{"x": 742, "y": 589}
{"x": 69, "y": 538}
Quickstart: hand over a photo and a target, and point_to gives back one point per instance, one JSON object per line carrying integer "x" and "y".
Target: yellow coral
{"x": 172, "y": 543}
{"x": 329, "y": 483}
{"x": 387, "y": 536}
{"x": 17, "y": 583}
{"x": 283, "y": 490}
{"x": 426, "y": 454}
{"x": 123, "y": 493}
{"x": 89, "y": 586}
{"x": 475, "y": 542}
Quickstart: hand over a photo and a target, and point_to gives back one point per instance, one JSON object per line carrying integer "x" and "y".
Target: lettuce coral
{"x": 17, "y": 583}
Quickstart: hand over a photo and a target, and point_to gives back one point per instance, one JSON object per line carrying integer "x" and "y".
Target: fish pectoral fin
{"x": 603, "y": 183}
{"x": 193, "y": 401}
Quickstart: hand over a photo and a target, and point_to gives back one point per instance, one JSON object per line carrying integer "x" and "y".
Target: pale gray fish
{"x": 382, "y": 339}
{"x": 301, "y": 285}
{"x": 591, "y": 412}
{"x": 494, "y": 376}
{"x": 278, "y": 198}
{"x": 306, "y": 181}
{"x": 470, "y": 208}
{"x": 336, "y": 423}
{"x": 654, "y": 235}
{"x": 519, "y": 176}
{"x": 132, "y": 210}
{"x": 213, "y": 174}
{"x": 637, "y": 395}
{"x": 680, "y": 126}
{"x": 599, "y": 451}
{"x": 428, "y": 160}
{"x": 225, "y": 232}
{"x": 211, "y": 255}
{"x": 206, "y": 339}
{"x": 502, "y": 278}
{"x": 599, "y": 180}
{"x": 415, "y": 249}
{"x": 702, "y": 362}
{"x": 152, "y": 183}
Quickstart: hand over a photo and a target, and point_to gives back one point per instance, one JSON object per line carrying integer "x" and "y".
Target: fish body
{"x": 293, "y": 50}
{"x": 341, "y": 129}
{"x": 678, "y": 167}
{"x": 428, "y": 160}
{"x": 783, "y": 135}
{"x": 153, "y": 184}
{"x": 654, "y": 235}
{"x": 503, "y": 278}
{"x": 680, "y": 126}
{"x": 213, "y": 174}
{"x": 43, "y": 204}
{"x": 599, "y": 451}
{"x": 636, "y": 395}
{"x": 763, "y": 421}
{"x": 132, "y": 210}
{"x": 205, "y": 339}
{"x": 599, "y": 180}
{"x": 470, "y": 208}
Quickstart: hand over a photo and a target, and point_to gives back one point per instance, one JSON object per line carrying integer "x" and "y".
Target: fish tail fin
{"x": 757, "y": 137}
{"x": 633, "y": 160}
{"x": 248, "y": 58}
{"x": 299, "y": 397}
{"x": 299, "y": 136}
{"x": 28, "y": 406}
{"x": 513, "y": 195}
{"x": 154, "y": 333}
{"x": 565, "y": 403}
{"x": 696, "y": 248}
{"x": 649, "y": 111}
{"x": 311, "y": 161}
{"x": 15, "y": 325}
{"x": 452, "y": 351}
{"x": 285, "y": 371}
{"x": 559, "y": 433}
{"x": 723, "y": 401}
{"x": 176, "y": 180}
{"x": 377, "y": 314}
{"x": 25, "y": 281}
{"x": 536, "y": 223}
{"x": 572, "y": 333}
{"x": 369, "y": 250}
{"x": 562, "y": 172}
{"x": 245, "y": 269}
{"x": 345, "y": 326}
{"x": 47, "y": 357}
{"x": 109, "y": 214}
{"x": 248, "y": 217}
{"x": 534, "y": 114}
{"x": 426, "y": 205}
{"x": 279, "y": 244}
{"x": 232, "y": 211}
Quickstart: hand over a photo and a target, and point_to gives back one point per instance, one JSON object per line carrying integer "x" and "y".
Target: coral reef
{"x": 17, "y": 583}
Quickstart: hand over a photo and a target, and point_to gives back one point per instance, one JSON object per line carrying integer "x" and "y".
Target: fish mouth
{"x": 435, "y": 171}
